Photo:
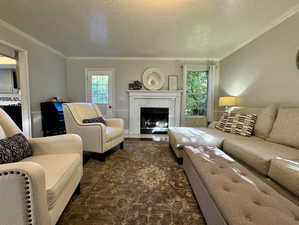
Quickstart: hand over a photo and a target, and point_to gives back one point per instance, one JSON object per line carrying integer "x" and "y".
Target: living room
{"x": 146, "y": 112}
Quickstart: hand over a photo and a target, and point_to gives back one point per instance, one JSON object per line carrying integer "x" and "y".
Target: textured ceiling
{"x": 143, "y": 28}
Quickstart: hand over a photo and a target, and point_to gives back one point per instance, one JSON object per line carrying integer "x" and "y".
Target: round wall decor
{"x": 153, "y": 79}
{"x": 297, "y": 59}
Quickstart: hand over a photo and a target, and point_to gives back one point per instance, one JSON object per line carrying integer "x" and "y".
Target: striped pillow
{"x": 240, "y": 123}
{"x": 221, "y": 124}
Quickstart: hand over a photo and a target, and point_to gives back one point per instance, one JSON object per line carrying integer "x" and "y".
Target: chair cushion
{"x": 286, "y": 173}
{"x": 265, "y": 119}
{"x": 59, "y": 170}
{"x": 113, "y": 132}
{"x": 241, "y": 197}
{"x": 286, "y": 127}
{"x": 257, "y": 152}
{"x": 14, "y": 149}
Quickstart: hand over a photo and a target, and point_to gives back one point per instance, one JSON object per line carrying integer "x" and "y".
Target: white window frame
{"x": 110, "y": 72}
{"x": 203, "y": 68}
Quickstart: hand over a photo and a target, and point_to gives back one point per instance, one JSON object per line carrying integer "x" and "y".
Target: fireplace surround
{"x": 170, "y": 100}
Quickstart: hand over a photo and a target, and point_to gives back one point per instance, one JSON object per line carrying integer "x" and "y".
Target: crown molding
{"x": 272, "y": 25}
{"x": 29, "y": 37}
{"x": 144, "y": 58}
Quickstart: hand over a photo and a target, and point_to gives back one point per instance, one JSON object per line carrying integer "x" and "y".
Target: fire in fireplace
{"x": 154, "y": 120}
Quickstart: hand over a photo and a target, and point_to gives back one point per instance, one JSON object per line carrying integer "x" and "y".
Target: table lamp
{"x": 227, "y": 102}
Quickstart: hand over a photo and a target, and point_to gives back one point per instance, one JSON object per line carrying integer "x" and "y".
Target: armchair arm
{"x": 23, "y": 198}
{"x": 69, "y": 143}
{"x": 115, "y": 123}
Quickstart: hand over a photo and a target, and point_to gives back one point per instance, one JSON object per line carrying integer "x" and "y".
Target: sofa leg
{"x": 78, "y": 190}
{"x": 101, "y": 157}
{"x": 121, "y": 146}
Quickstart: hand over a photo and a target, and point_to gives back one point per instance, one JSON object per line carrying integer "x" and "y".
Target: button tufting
{"x": 257, "y": 203}
{"x": 265, "y": 192}
{"x": 247, "y": 217}
{"x": 235, "y": 181}
{"x": 226, "y": 189}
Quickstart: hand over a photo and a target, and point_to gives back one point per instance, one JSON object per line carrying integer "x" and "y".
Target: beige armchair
{"x": 36, "y": 190}
{"x": 96, "y": 136}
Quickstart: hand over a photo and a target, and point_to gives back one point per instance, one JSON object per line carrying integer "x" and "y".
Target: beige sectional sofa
{"x": 272, "y": 154}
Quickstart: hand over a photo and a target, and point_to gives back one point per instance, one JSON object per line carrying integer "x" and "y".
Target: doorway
{"x": 99, "y": 89}
{"x": 14, "y": 88}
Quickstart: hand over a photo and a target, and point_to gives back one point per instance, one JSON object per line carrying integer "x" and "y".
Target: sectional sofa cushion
{"x": 286, "y": 173}
{"x": 182, "y": 136}
{"x": 265, "y": 119}
{"x": 256, "y": 152}
{"x": 286, "y": 127}
{"x": 240, "y": 196}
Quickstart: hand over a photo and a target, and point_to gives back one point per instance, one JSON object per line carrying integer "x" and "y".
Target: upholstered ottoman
{"x": 188, "y": 136}
{"x": 229, "y": 194}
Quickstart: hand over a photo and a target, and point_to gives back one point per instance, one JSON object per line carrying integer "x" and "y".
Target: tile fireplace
{"x": 144, "y": 103}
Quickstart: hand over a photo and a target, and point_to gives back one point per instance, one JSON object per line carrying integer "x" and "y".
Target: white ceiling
{"x": 144, "y": 28}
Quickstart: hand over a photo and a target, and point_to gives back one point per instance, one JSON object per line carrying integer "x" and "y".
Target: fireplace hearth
{"x": 154, "y": 120}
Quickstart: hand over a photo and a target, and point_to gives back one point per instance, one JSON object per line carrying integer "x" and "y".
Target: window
{"x": 100, "y": 89}
{"x": 196, "y": 92}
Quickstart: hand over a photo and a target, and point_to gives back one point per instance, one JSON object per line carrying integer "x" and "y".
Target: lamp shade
{"x": 227, "y": 101}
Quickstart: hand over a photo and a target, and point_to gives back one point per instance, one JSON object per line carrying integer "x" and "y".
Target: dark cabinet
{"x": 52, "y": 118}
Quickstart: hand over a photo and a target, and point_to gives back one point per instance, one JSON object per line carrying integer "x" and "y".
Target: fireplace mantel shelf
{"x": 155, "y": 91}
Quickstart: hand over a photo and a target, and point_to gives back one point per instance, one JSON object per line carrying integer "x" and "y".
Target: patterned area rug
{"x": 140, "y": 185}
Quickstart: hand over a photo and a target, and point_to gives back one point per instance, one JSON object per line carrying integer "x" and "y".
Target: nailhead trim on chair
{"x": 27, "y": 190}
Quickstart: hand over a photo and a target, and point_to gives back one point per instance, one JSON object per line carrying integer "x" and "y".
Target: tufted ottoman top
{"x": 241, "y": 197}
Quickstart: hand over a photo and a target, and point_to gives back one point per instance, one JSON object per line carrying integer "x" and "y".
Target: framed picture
{"x": 172, "y": 82}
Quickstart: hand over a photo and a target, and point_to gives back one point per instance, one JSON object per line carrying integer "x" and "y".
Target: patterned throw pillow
{"x": 240, "y": 123}
{"x": 14, "y": 149}
{"x": 95, "y": 120}
{"x": 220, "y": 125}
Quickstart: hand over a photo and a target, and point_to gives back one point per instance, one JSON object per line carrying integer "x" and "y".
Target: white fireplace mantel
{"x": 154, "y": 99}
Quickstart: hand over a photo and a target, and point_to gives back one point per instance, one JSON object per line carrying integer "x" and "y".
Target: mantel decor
{"x": 172, "y": 82}
{"x": 153, "y": 79}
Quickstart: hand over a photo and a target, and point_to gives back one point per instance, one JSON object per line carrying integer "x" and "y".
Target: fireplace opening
{"x": 154, "y": 120}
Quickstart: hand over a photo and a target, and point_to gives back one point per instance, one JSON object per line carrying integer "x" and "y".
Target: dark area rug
{"x": 139, "y": 185}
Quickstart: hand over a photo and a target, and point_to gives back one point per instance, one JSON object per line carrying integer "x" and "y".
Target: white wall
{"x": 126, "y": 71}
{"x": 265, "y": 70}
{"x": 47, "y": 72}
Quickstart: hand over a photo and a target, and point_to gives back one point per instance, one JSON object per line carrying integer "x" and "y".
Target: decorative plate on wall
{"x": 297, "y": 60}
{"x": 153, "y": 79}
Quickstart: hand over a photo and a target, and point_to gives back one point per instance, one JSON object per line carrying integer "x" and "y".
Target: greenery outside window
{"x": 197, "y": 86}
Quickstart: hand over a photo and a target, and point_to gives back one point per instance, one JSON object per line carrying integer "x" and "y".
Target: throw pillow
{"x": 220, "y": 125}
{"x": 95, "y": 120}
{"x": 265, "y": 118}
{"x": 241, "y": 124}
{"x": 14, "y": 149}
